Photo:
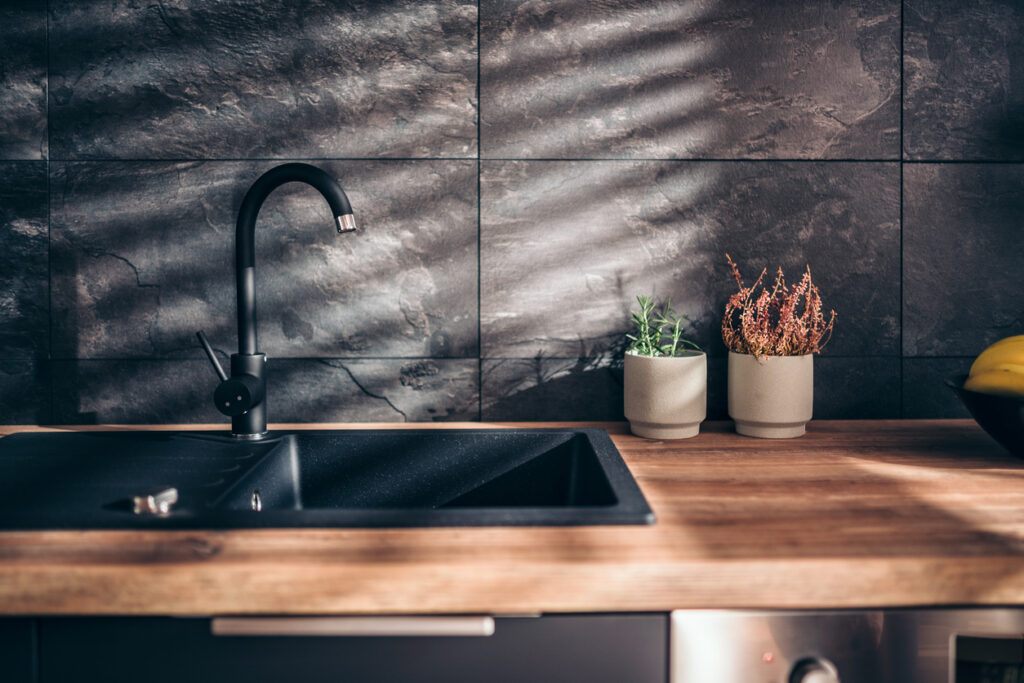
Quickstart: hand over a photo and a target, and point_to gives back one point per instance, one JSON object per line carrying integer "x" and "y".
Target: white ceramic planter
{"x": 771, "y": 398}
{"x": 666, "y": 397}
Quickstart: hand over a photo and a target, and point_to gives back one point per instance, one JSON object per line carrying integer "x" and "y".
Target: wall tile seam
{"x": 51, "y": 391}
{"x": 717, "y": 160}
{"x": 193, "y": 160}
{"x": 479, "y": 224}
{"x": 989, "y": 162}
{"x": 788, "y": 160}
{"x": 901, "y": 412}
{"x": 736, "y": 160}
{"x": 203, "y": 359}
{"x": 270, "y": 357}
{"x": 711, "y": 357}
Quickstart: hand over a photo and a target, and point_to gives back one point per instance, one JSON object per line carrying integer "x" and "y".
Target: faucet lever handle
{"x": 213, "y": 359}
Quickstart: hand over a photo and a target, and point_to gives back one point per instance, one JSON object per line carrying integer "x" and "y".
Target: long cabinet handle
{"x": 352, "y": 626}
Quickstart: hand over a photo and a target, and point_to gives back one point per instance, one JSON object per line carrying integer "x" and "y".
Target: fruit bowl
{"x": 1001, "y": 416}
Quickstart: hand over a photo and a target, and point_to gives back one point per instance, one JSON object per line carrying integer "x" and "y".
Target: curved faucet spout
{"x": 242, "y": 396}
{"x": 245, "y": 235}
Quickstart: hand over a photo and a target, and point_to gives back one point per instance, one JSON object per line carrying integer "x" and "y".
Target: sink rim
{"x": 631, "y": 506}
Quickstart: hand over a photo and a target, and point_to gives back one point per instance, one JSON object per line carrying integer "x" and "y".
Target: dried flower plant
{"x": 653, "y": 326}
{"x": 775, "y": 322}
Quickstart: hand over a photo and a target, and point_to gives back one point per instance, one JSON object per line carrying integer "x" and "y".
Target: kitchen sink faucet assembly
{"x": 242, "y": 396}
{"x": 343, "y": 478}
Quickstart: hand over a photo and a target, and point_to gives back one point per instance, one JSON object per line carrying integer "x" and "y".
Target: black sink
{"x": 348, "y": 478}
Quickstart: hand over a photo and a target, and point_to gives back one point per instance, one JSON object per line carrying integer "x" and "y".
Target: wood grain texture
{"x": 854, "y": 514}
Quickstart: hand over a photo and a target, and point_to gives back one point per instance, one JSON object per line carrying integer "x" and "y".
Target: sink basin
{"x": 348, "y": 478}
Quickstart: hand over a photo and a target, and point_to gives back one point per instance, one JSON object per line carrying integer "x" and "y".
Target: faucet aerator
{"x": 346, "y": 223}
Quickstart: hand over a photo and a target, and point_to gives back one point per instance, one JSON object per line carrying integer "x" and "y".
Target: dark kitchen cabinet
{"x": 557, "y": 648}
{"x": 17, "y": 650}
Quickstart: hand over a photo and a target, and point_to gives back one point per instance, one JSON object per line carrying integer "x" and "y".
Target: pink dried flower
{"x": 777, "y": 322}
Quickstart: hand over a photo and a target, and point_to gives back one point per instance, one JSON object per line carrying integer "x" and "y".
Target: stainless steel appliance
{"x": 962, "y": 645}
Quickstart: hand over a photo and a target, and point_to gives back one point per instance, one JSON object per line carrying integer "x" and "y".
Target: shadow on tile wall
{"x": 521, "y": 170}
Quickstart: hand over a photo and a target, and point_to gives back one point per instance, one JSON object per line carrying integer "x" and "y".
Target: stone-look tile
{"x": 718, "y": 388}
{"x": 24, "y": 286}
{"x": 143, "y": 256}
{"x": 154, "y": 392}
{"x": 591, "y": 389}
{"x": 317, "y": 78}
{"x": 865, "y": 388}
{"x": 963, "y": 80}
{"x": 552, "y": 389}
{"x": 925, "y": 394}
{"x": 23, "y": 79}
{"x": 24, "y": 392}
{"x": 368, "y": 390}
{"x": 566, "y": 246}
{"x": 635, "y": 79}
{"x": 856, "y": 388}
{"x": 962, "y": 257}
{"x": 134, "y": 392}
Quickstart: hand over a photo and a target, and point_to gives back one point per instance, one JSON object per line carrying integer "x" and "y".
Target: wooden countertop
{"x": 854, "y": 514}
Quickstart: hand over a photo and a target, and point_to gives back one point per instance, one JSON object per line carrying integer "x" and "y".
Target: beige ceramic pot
{"x": 666, "y": 397}
{"x": 771, "y": 398}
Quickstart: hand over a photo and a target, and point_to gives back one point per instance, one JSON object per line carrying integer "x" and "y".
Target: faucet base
{"x": 250, "y": 437}
{"x": 252, "y": 424}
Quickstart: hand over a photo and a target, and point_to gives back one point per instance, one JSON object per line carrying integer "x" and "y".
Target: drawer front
{"x": 17, "y": 650}
{"x": 569, "y": 648}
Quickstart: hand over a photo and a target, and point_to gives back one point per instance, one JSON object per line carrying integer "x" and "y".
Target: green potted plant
{"x": 666, "y": 376}
{"x": 772, "y": 336}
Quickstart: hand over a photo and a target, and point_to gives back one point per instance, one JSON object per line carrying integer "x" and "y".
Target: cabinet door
{"x": 17, "y": 650}
{"x": 562, "y": 648}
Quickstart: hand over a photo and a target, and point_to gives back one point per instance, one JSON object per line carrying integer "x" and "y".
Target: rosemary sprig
{"x": 657, "y": 333}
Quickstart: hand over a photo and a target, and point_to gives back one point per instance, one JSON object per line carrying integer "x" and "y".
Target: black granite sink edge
{"x": 626, "y": 507}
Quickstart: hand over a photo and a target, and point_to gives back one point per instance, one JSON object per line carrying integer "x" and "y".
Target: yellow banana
{"x": 1014, "y": 338}
{"x": 1006, "y": 380}
{"x": 1005, "y": 352}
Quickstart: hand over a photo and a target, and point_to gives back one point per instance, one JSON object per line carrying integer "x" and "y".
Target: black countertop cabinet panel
{"x": 17, "y": 650}
{"x": 564, "y": 648}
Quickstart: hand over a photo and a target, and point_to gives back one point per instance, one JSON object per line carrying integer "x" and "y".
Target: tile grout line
{"x": 226, "y": 353}
{"x": 51, "y": 390}
{"x": 347, "y": 359}
{"x": 903, "y": 410}
{"x": 479, "y": 158}
{"x": 479, "y": 234}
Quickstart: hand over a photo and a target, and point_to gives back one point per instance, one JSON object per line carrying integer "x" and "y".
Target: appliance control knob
{"x": 814, "y": 671}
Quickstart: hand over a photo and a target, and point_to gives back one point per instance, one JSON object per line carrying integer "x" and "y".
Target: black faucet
{"x": 243, "y": 395}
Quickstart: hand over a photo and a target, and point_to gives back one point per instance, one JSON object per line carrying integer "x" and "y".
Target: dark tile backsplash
{"x": 24, "y": 279}
{"x": 963, "y": 257}
{"x": 519, "y": 171}
{"x": 205, "y": 79}
{"x": 23, "y": 79}
{"x": 641, "y": 79}
{"x": 143, "y": 256}
{"x": 594, "y": 233}
{"x": 963, "y": 80}
{"x": 924, "y": 393}
{"x": 299, "y": 390}
{"x": 591, "y": 388}
{"x": 24, "y": 392}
